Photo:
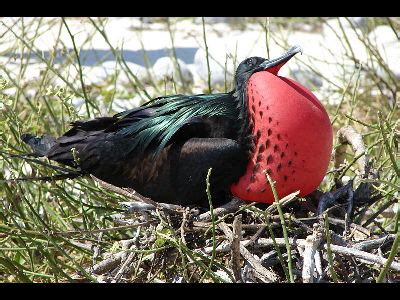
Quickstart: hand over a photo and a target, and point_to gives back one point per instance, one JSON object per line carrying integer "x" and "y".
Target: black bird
{"x": 164, "y": 148}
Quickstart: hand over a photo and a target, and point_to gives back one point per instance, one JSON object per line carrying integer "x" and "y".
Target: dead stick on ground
{"x": 256, "y": 236}
{"x": 108, "y": 264}
{"x": 137, "y": 197}
{"x": 124, "y": 267}
{"x": 183, "y": 224}
{"x": 348, "y": 135}
{"x": 373, "y": 244}
{"x": 261, "y": 242}
{"x": 234, "y": 205}
{"x": 318, "y": 264}
{"x": 310, "y": 247}
{"x": 261, "y": 272}
{"x": 340, "y": 222}
{"x": 235, "y": 247}
{"x": 365, "y": 256}
{"x": 135, "y": 207}
{"x": 282, "y": 202}
{"x": 114, "y": 260}
{"x": 230, "y": 207}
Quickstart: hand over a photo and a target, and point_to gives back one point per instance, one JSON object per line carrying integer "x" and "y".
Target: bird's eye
{"x": 250, "y": 62}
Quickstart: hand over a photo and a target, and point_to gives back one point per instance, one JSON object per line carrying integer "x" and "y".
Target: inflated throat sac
{"x": 293, "y": 137}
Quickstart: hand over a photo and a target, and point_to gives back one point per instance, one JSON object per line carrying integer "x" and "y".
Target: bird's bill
{"x": 274, "y": 65}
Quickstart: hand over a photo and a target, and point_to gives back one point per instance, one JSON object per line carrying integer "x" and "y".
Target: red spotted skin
{"x": 293, "y": 137}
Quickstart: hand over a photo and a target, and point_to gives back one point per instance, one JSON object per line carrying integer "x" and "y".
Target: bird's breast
{"x": 292, "y": 135}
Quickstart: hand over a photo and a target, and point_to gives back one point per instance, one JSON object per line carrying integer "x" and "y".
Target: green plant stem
{"x": 267, "y": 35}
{"x": 284, "y": 229}
{"x": 392, "y": 255}
{"x": 177, "y": 65}
{"x": 214, "y": 242}
{"x": 329, "y": 250}
{"x": 278, "y": 250}
{"x": 387, "y": 146}
{"x": 208, "y": 62}
{"x": 87, "y": 101}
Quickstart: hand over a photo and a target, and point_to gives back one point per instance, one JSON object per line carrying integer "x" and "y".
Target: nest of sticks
{"x": 326, "y": 237}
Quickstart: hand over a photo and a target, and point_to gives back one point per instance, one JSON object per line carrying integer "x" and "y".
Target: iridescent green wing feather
{"x": 160, "y": 119}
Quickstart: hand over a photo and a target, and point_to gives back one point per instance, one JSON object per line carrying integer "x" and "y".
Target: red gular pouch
{"x": 293, "y": 137}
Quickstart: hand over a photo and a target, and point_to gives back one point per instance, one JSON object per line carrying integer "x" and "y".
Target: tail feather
{"x": 39, "y": 145}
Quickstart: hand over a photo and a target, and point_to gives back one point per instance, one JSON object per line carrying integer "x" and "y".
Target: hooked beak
{"x": 274, "y": 65}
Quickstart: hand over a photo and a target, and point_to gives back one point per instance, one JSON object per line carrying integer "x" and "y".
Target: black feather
{"x": 39, "y": 145}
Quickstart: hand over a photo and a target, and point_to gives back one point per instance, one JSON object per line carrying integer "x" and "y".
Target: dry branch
{"x": 108, "y": 264}
{"x": 235, "y": 247}
{"x": 348, "y": 135}
{"x": 131, "y": 194}
{"x": 260, "y": 243}
{"x": 311, "y": 245}
{"x": 282, "y": 202}
{"x": 124, "y": 267}
{"x": 261, "y": 272}
{"x": 364, "y": 256}
{"x": 373, "y": 244}
{"x": 230, "y": 207}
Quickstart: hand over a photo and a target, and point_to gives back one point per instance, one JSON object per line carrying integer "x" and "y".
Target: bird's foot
{"x": 347, "y": 200}
{"x": 342, "y": 195}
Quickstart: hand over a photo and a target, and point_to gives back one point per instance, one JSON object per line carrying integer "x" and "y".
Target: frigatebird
{"x": 164, "y": 148}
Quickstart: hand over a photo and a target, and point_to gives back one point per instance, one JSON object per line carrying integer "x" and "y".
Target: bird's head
{"x": 255, "y": 64}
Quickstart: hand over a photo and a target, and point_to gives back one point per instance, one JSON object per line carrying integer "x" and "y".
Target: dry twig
{"x": 364, "y": 256}
{"x": 261, "y": 272}
{"x": 348, "y": 135}
{"x": 230, "y": 207}
{"x": 311, "y": 245}
{"x": 235, "y": 247}
{"x": 131, "y": 194}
